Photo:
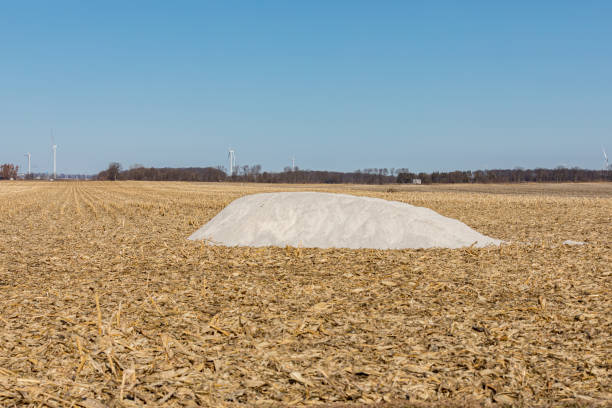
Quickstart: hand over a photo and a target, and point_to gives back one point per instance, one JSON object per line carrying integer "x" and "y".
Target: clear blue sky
{"x": 428, "y": 85}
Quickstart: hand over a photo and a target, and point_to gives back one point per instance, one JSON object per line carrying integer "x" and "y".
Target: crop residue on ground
{"x": 104, "y": 301}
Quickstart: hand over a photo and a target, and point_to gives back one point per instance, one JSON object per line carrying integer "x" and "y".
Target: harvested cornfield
{"x": 104, "y": 302}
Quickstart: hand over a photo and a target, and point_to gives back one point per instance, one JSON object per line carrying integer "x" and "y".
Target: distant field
{"x": 562, "y": 189}
{"x": 104, "y": 299}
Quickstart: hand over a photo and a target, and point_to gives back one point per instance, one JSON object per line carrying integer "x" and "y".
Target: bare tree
{"x": 113, "y": 171}
{"x": 8, "y": 171}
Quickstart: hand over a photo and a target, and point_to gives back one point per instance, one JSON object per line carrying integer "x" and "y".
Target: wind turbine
{"x": 232, "y": 161}
{"x": 54, "y": 147}
{"x": 293, "y": 164}
{"x": 606, "y": 165}
{"x": 29, "y": 156}
{"x": 54, "y": 150}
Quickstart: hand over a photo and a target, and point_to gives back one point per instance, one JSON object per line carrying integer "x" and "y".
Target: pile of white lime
{"x": 324, "y": 220}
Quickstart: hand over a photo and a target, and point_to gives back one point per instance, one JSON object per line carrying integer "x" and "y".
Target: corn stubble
{"x": 104, "y": 302}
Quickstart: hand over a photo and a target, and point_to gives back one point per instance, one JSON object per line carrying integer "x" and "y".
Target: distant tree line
{"x": 246, "y": 174}
{"x": 255, "y": 174}
{"x": 114, "y": 172}
{"x": 8, "y": 171}
{"x": 518, "y": 175}
{"x": 367, "y": 176}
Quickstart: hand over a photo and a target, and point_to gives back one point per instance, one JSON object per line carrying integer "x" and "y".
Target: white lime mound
{"x": 324, "y": 220}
